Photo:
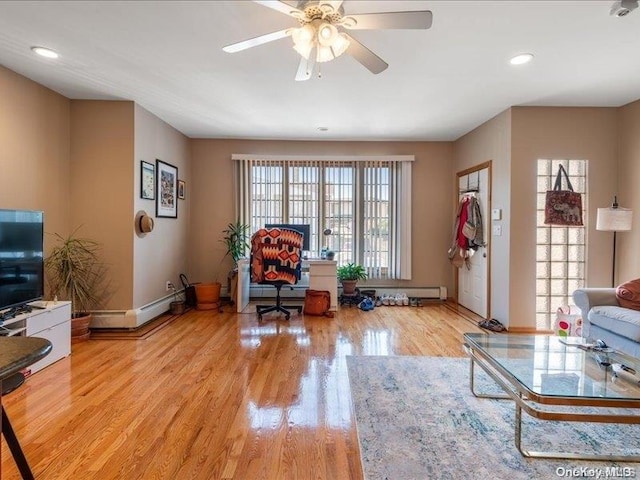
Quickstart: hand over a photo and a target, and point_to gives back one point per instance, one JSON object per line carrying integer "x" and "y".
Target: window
{"x": 364, "y": 202}
{"x": 560, "y": 251}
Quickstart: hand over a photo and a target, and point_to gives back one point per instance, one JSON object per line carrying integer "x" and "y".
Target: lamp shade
{"x": 612, "y": 219}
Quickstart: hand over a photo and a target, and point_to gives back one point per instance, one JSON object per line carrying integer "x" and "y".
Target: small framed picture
{"x": 167, "y": 186}
{"x": 181, "y": 187}
{"x": 147, "y": 180}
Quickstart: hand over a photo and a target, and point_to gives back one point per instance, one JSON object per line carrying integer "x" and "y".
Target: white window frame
{"x": 400, "y": 230}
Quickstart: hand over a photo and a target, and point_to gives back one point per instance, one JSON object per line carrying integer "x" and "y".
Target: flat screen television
{"x": 21, "y": 257}
{"x": 304, "y": 229}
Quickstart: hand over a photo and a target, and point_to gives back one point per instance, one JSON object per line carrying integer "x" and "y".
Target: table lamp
{"x": 614, "y": 219}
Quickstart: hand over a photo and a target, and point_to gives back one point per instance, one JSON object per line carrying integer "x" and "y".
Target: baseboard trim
{"x": 133, "y": 318}
{"x": 526, "y": 330}
{"x": 298, "y": 291}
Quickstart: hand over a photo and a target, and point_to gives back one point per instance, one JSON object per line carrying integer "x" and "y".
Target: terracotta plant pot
{"x": 80, "y": 327}
{"x": 208, "y": 295}
{"x": 349, "y": 287}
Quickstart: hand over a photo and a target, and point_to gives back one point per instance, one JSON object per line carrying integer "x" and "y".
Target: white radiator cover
{"x": 297, "y": 291}
{"x": 136, "y": 317}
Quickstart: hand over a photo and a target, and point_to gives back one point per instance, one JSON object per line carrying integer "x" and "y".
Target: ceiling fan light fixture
{"x": 304, "y": 40}
{"x": 303, "y": 34}
{"x": 340, "y": 45}
{"x": 304, "y": 49}
{"x": 327, "y": 34}
{"x": 325, "y": 54}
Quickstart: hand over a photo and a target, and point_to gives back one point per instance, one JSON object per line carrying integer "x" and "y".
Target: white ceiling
{"x": 441, "y": 83}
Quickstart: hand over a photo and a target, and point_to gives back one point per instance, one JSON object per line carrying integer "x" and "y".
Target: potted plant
{"x": 75, "y": 272}
{"x": 236, "y": 241}
{"x": 349, "y": 275}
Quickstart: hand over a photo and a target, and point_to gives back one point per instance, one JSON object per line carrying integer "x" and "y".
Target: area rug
{"x": 417, "y": 420}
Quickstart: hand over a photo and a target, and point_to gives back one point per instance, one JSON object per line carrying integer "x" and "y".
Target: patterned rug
{"x": 418, "y": 420}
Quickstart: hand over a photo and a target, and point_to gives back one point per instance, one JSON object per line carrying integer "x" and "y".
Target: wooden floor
{"x": 216, "y": 396}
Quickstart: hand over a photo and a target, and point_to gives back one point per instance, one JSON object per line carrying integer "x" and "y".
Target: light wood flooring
{"x": 217, "y": 396}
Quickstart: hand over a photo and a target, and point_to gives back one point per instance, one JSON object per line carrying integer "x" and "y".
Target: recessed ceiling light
{"x": 45, "y": 52}
{"x": 323, "y": 129}
{"x": 521, "y": 59}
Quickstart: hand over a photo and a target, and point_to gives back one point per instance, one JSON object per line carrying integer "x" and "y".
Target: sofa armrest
{"x": 587, "y": 298}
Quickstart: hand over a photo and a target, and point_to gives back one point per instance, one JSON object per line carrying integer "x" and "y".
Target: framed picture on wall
{"x": 181, "y": 188}
{"x": 147, "y": 180}
{"x": 167, "y": 187}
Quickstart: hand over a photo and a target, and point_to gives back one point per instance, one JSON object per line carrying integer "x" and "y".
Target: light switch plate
{"x": 497, "y": 230}
{"x": 496, "y": 214}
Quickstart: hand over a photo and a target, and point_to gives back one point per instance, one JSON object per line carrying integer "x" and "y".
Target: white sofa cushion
{"x": 622, "y": 321}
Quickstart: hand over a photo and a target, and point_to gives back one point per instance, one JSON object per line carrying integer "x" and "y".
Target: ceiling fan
{"x": 321, "y": 36}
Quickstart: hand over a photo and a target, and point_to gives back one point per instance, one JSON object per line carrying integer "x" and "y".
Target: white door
{"x": 473, "y": 280}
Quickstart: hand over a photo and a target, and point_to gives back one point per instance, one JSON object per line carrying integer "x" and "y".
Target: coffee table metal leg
{"x": 482, "y": 395}
{"x": 562, "y": 455}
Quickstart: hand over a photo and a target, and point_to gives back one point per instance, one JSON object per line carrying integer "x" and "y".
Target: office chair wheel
{"x": 287, "y": 316}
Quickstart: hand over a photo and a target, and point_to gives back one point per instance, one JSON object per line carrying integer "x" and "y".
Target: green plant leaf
{"x": 236, "y": 240}
{"x": 75, "y": 271}
{"x": 351, "y": 271}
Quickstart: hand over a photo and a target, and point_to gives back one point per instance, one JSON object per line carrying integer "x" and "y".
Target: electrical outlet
{"x": 169, "y": 285}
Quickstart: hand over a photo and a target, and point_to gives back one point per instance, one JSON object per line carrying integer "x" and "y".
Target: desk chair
{"x": 276, "y": 260}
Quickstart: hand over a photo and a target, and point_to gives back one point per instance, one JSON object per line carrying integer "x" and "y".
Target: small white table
{"x": 322, "y": 276}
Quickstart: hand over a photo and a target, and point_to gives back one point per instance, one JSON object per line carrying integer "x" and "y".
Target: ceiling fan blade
{"x": 389, "y": 20}
{"x": 365, "y": 56}
{"x": 281, "y": 7}
{"x": 305, "y": 67}
{"x": 255, "y": 41}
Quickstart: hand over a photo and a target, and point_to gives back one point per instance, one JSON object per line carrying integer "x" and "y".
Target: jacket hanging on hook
{"x": 468, "y": 233}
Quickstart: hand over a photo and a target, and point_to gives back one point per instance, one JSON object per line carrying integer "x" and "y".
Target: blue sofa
{"x": 603, "y": 318}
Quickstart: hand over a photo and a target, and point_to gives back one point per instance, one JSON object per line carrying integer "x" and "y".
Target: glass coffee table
{"x": 561, "y": 379}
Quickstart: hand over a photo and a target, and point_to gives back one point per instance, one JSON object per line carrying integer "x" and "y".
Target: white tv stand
{"x": 52, "y": 321}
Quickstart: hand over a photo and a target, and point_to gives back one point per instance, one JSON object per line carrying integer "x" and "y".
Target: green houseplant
{"x": 76, "y": 273}
{"x": 349, "y": 275}
{"x": 236, "y": 241}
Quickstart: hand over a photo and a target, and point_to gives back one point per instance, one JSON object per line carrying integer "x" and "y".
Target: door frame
{"x": 488, "y": 234}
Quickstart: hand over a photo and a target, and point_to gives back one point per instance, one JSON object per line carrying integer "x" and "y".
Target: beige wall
{"x": 102, "y": 146}
{"x": 34, "y": 151}
{"x": 514, "y": 141}
{"x": 549, "y": 132}
{"x": 629, "y": 193}
{"x": 492, "y": 142}
{"x": 213, "y": 199}
{"x": 54, "y": 150}
{"x": 162, "y": 254}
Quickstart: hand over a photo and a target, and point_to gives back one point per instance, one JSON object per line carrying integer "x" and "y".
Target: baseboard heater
{"x": 297, "y": 291}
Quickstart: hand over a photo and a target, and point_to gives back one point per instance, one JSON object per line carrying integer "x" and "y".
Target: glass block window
{"x": 560, "y": 251}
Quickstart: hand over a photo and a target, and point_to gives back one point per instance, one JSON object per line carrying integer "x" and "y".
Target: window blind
{"x": 364, "y": 201}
